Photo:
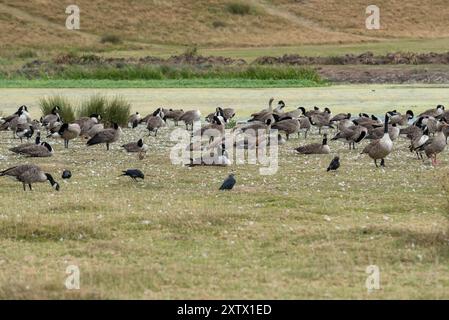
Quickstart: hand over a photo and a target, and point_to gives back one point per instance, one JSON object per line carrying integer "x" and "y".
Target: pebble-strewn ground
{"x": 302, "y": 233}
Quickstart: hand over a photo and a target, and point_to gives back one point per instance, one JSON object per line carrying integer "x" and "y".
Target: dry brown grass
{"x": 280, "y": 22}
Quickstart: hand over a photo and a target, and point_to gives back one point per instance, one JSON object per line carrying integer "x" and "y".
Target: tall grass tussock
{"x": 112, "y": 110}
{"x": 67, "y": 112}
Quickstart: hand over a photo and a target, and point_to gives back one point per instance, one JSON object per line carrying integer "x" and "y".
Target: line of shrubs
{"x": 111, "y": 109}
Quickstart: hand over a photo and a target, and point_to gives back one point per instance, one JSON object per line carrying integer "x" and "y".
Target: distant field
{"x": 344, "y": 98}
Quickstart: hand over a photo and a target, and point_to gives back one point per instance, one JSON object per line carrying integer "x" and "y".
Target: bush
{"x": 231, "y": 124}
{"x": 47, "y": 104}
{"x": 239, "y": 8}
{"x": 110, "y": 38}
{"x": 111, "y": 110}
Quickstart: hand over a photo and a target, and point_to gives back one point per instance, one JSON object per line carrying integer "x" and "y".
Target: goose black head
{"x": 409, "y": 114}
{"x": 276, "y": 117}
{"x": 48, "y": 146}
{"x": 63, "y": 128}
{"x": 440, "y": 106}
{"x": 115, "y": 126}
{"x": 348, "y": 116}
{"x": 96, "y": 116}
{"x": 316, "y": 108}
{"x": 373, "y": 117}
{"x": 281, "y": 104}
{"x": 327, "y": 110}
{"x": 52, "y": 181}
{"x": 140, "y": 143}
{"x": 355, "y": 122}
{"x": 55, "y": 109}
{"x": 268, "y": 121}
{"x": 218, "y": 120}
{"x": 303, "y": 110}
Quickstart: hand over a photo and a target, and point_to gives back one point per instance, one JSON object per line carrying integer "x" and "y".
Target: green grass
{"x": 300, "y": 234}
{"x": 184, "y": 83}
{"x": 67, "y": 112}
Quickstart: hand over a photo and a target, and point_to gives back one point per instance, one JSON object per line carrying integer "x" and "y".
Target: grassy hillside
{"x": 161, "y": 26}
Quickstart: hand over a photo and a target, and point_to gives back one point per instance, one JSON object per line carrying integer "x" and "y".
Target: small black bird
{"x": 229, "y": 183}
{"x": 66, "y": 174}
{"x": 335, "y": 164}
{"x": 133, "y": 174}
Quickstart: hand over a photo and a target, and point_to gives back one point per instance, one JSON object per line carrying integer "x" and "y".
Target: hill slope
{"x": 41, "y": 23}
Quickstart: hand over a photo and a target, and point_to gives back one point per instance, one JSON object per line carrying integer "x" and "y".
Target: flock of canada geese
{"x": 427, "y": 134}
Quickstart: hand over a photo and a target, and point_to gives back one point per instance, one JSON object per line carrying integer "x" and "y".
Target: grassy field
{"x": 302, "y": 233}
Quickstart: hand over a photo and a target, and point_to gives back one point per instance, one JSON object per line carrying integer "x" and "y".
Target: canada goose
{"x": 20, "y": 121}
{"x": 418, "y": 140}
{"x": 304, "y": 126}
{"x": 433, "y": 112}
{"x": 431, "y": 123}
{"x": 29, "y": 174}
{"x": 435, "y": 144}
{"x": 368, "y": 122}
{"x": 253, "y": 127}
{"x": 134, "y": 119}
{"x": 345, "y": 123}
{"x": 52, "y": 119}
{"x": 380, "y": 148}
{"x": 315, "y": 148}
{"x": 401, "y": 119}
{"x": 155, "y": 121}
{"x": 334, "y": 165}
{"x": 412, "y": 131}
{"x": 26, "y": 145}
{"x": 138, "y": 146}
{"x": 96, "y": 128}
{"x": 288, "y": 126}
{"x": 212, "y": 130}
{"x": 133, "y": 174}
{"x": 12, "y": 119}
{"x": 340, "y": 116}
{"x": 86, "y": 124}
{"x": 173, "y": 115}
{"x": 351, "y": 135}
{"x": 190, "y": 117}
{"x": 67, "y": 132}
{"x": 280, "y": 108}
{"x": 263, "y": 114}
{"x": 229, "y": 183}
{"x": 25, "y": 130}
{"x": 107, "y": 136}
{"x": 377, "y": 133}
{"x": 322, "y": 120}
{"x": 41, "y": 150}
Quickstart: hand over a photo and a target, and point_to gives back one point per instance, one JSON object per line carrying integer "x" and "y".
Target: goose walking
{"x": 380, "y": 148}
{"x": 29, "y": 174}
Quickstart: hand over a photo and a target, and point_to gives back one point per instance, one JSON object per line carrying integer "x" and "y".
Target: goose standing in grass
{"x": 155, "y": 121}
{"x": 138, "y": 146}
{"x": 438, "y": 111}
{"x": 11, "y": 119}
{"x": 322, "y": 119}
{"x": 134, "y": 120}
{"x": 24, "y": 131}
{"x": 351, "y": 135}
{"x": 173, "y": 114}
{"x": 304, "y": 126}
{"x": 340, "y": 116}
{"x": 190, "y": 117}
{"x": 67, "y": 132}
{"x": 315, "y": 148}
{"x": 106, "y": 136}
{"x": 41, "y": 150}
{"x": 52, "y": 119}
{"x": 29, "y": 174}
{"x": 380, "y": 148}
{"x": 434, "y": 145}
{"x": 19, "y": 148}
{"x": 401, "y": 119}
{"x": 418, "y": 140}
{"x": 87, "y": 123}
{"x": 377, "y": 133}
{"x": 288, "y": 126}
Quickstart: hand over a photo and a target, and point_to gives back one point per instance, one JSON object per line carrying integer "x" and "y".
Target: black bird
{"x": 229, "y": 183}
{"x": 335, "y": 164}
{"x": 66, "y": 174}
{"x": 133, "y": 174}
